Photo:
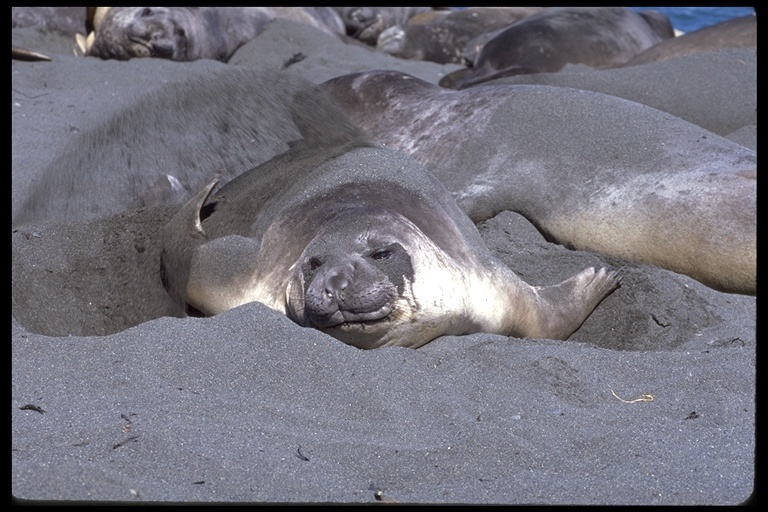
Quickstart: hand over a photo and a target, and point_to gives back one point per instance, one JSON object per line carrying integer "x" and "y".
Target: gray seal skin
{"x": 590, "y": 171}
{"x": 735, "y": 33}
{"x": 545, "y": 42}
{"x": 191, "y": 33}
{"x": 442, "y": 40}
{"x": 363, "y": 244}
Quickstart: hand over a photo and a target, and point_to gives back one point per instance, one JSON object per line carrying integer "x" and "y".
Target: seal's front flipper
{"x": 183, "y": 233}
{"x": 222, "y": 274}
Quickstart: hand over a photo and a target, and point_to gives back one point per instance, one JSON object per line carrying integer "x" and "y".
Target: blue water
{"x": 687, "y": 19}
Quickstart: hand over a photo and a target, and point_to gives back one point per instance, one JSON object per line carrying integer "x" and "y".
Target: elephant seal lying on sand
{"x": 361, "y": 243}
{"x": 591, "y": 171}
{"x": 545, "y": 42}
{"x": 366, "y": 23}
{"x": 444, "y": 38}
{"x": 190, "y": 33}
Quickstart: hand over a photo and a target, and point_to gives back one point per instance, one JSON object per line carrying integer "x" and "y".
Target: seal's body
{"x": 591, "y": 171}
{"x": 443, "y": 39}
{"x": 545, "y": 42}
{"x": 367, "y": 23}
{"x": 364, "y": 244}
{"x": 191, "y": 33}
{"x": 734, "y": 33}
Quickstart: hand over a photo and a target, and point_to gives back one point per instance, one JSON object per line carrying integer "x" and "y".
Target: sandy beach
{"x": 117, "y": 398}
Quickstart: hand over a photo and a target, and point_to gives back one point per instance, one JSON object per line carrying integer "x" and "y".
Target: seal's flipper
{"x": 189, "y": 215}
{"x": 180, "y": 237}
{"x": 574, "y": 300}
{"x": 222, "y": 274}
{"x": 502, "y": 303}
{"x": 480, "y": 75}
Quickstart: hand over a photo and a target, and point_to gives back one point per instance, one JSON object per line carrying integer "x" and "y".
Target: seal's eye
{"x": 381, "y": 255}
{"x": 314, "y": 263}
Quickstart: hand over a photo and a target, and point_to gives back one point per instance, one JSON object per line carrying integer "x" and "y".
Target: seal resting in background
{"x": 366, "y": 23}
{"x": 361, "y": 243}
{"x": 443, "y": 39}
{"x": 591, "y": 171}
{"x": 190, "y": 33}
{"x": 735, "y": 33}
{"x": 545, "y": 42}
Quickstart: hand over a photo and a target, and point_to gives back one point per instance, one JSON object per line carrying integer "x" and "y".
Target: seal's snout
{"x": 347, "y": 291}
{"x": 336, "y": 282}
{"x": 328, "y": 294}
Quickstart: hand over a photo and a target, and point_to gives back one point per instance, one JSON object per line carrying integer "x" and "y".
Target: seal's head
{"x": 363, "y": 23}
{"x": 356, "y": 280}
{"x": 143, "y": 32}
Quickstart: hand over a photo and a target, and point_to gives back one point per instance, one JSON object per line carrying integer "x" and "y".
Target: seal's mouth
{"x": 356, "y": 326}
{"x": 140, "y": 48}
{"x": 368, "y": 334}
{"x": 143, "y": 48}
{"x": 353, "y": 320}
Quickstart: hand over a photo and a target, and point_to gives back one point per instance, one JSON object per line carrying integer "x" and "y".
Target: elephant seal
{"x": 443, "y": 39}
{"x": 545, "y": 42}
{"x": 591, "y": 171}
{"x": 190, "y": 33}
{"x": 362, "y": 243}
{"x": 724, "y": 102}
{"x": 734, "y": 33}
{"x": 366, "y": 23}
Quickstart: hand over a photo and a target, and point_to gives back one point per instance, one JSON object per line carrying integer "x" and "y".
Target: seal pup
{"x": 591, "y": 171}
{"x": 190, "y": 33}
{"x": 545, "y": 42}
{"x": 362, "y": 243}
{"x": 442, "y": 40}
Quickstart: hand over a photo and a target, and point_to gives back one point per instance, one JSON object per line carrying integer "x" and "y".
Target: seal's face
{"x": 343, "y": 289}
{"x": 143, "y": 32}
{"x": 365, "y": 23}
{"x": 353, "y": 280}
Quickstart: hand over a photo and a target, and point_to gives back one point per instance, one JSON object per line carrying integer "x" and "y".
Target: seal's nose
{"x": 335, "y": 284}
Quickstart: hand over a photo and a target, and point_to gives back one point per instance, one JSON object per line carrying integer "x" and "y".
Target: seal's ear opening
{"x": 320, "y": 120}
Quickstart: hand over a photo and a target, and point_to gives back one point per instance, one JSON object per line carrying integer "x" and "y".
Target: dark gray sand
{"x": 652, "y": 401}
